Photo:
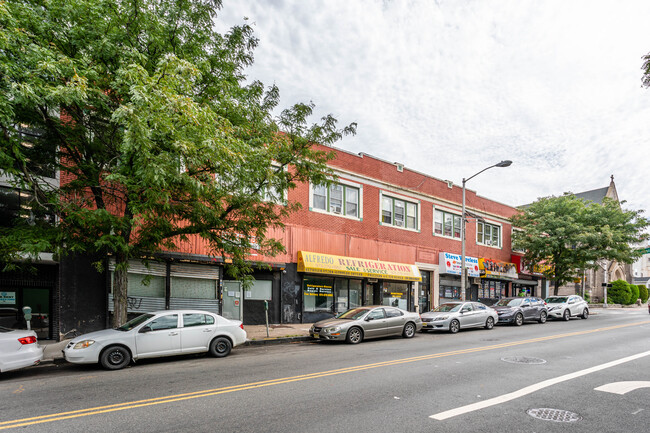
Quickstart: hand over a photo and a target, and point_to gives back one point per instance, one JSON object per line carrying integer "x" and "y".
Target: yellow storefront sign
{"x": 315, "y": 263}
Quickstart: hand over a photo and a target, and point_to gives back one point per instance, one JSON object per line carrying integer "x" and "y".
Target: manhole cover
{"x": 523, "y": 360}
{"x": 555, "y": 415}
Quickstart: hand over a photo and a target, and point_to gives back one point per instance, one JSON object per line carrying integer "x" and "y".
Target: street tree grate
{"x": 523, "y": 360}
{"x": 555, "y": 415}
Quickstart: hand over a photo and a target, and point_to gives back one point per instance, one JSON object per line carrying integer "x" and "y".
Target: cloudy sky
{"x": 449, "y": 87}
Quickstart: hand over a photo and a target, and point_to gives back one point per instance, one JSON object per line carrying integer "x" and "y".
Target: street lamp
{"x": 463, "y": 271}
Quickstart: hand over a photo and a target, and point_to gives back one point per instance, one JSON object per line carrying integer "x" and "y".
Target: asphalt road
{"x": 431, "y": 383}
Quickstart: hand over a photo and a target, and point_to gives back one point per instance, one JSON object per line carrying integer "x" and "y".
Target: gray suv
{"x": 520, "y": 310}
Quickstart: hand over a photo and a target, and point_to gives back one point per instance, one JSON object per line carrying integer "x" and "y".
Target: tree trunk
{"x": 556, "y": 287}
{"x": 120, "y": 284}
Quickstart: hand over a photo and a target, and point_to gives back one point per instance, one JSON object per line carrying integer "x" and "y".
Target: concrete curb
{"x": 276, "y": 340}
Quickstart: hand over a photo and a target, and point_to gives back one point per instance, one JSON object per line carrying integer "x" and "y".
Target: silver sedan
{"x": 358, "y": 324}
{"x": 453, "y": 316}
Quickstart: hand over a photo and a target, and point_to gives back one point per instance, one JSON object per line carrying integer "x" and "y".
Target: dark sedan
{"x": 520, "y": 310}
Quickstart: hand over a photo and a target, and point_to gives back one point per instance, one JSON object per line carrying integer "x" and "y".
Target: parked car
{"x": 520, "y": 310}
{"x": 18, "y": 349}
{"x": 454, "y": 316}
{"x": 361, "y": 323}
{"x": 162, "y": 333}
{"x": 565, "y": 307}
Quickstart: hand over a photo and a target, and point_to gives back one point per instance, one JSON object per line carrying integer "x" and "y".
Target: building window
{"x": 488, "y": 234}
{"x": 399, "y": 213}
{"x": 20, "y": 204}
{"x": 446, "y": 224}
{"x": 338, "y": 199}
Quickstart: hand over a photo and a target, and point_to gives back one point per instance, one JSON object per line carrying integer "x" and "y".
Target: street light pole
{"x": 463, "y": 271}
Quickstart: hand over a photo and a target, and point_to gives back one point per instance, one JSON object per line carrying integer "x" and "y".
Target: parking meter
{"x": 27, "y": 312}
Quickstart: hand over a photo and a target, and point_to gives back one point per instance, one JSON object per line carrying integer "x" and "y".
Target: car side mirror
{"x": 145, "y": 329}
{"x": 368, "y": 319}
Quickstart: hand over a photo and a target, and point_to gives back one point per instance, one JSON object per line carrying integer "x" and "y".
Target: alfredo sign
{"x": 328, "y": 264}
{"x": 451, "y": 263}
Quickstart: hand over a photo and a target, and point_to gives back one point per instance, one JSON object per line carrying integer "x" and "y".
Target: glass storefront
{"x": 396, "y": 294}
{"x": 492, "y": 290}
{"x": 318, "y": 294}
{"x": 347, "y": 294}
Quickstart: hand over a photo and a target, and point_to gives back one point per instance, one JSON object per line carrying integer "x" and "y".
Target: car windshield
{"x": 446, "y": 308}
{"x": 555, "y": 299}
{"x": 353, "y": 314}
{"x": 509, "y": 302}
{"x": 134, "y": 322}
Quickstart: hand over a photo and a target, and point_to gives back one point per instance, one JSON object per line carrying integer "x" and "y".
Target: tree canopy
{"x": 564, "y": 235}
{"x": 143, "y": 110}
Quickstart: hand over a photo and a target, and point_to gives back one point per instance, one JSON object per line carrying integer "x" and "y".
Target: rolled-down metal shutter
{"x": 207, "y": 279}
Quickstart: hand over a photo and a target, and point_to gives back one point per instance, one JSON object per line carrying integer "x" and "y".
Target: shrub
{"x": 643, "y": 293}
{"x": 619, "y": 293}
{"x": 634, "y": 289}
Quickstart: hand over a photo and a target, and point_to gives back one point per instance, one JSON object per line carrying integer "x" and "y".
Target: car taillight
{"x": 241, "y": 326}
{"x": 27, "y": 340}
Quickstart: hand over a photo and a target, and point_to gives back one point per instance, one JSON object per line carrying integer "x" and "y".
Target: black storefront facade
{"x": 327, "y": 285}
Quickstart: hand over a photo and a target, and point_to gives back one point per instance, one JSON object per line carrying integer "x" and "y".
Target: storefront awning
{"x": 525, "y": 282}
{"x": 316, "y": 263}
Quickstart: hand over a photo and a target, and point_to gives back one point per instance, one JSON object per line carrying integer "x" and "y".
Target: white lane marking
{"x": 637, "y": 411}
{"x": 623, "y": 387}
{"x": 532, "y": 388}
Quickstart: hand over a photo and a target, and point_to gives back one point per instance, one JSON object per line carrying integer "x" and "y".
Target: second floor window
{"x": 399, "y": 213}
{"x": 446, "y": 224}
{"x": 488, "y": 234}
{"x": 337, "y": 199}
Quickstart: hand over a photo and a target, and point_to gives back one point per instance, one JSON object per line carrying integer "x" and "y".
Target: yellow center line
{"x": 224, "y": 390}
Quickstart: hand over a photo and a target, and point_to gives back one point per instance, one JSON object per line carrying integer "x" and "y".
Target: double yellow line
{"x": 225, "y": 390}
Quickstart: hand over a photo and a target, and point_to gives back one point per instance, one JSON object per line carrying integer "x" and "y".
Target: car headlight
{"x": 84, "y": 344}
{"x": 441, "y": 318}
{"x": 553, "y": 308}
{"x": 332, "y": 329}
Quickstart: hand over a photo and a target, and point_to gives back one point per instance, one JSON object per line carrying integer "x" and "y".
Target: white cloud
{"x": 449, "y": 87}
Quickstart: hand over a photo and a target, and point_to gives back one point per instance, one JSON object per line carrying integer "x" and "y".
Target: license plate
{"x": 315, "y": 336}
{"x": 424, "y": 325}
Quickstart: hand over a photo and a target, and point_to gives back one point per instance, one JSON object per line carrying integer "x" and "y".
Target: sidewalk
{"x": 255, "y": 335}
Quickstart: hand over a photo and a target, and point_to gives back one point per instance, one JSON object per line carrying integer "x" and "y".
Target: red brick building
{"x": 392, "y": 218}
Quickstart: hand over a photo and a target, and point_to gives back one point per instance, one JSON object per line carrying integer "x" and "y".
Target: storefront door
{"x": 371, "y": 294}
{"x": 232, "y": 299}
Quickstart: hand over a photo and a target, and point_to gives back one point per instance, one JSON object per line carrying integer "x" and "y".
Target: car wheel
{"x": 519, "y": 319}
{"x": 355, "y": 336}
{"x": 115, "y": 357}
{"x": 454, "y": 326}
{"x": 542, "y": 317}
{"x": 585, "y": 314}
{"x": 220, "y": 347}
{"x": 566, "y": 315}
{"x": 489, "y": 323}
{"x": 409, "y": 330}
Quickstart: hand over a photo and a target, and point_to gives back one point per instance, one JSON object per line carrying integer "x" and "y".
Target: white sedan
{"x": 161, "y": 333}
{"x": 18, "y": 348}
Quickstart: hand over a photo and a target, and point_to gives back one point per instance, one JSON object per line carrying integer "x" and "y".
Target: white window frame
{"x": 453, "y": 214}
{"x": 489, "y": 244}
{"x": 345, "y": 184}
{"x": 407, "y": 201}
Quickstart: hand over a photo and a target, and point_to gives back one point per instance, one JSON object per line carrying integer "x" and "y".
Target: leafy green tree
{"x": 563, "y": 235}
{"x": 619, "y": 293}
{"x": 142, "y": 108}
